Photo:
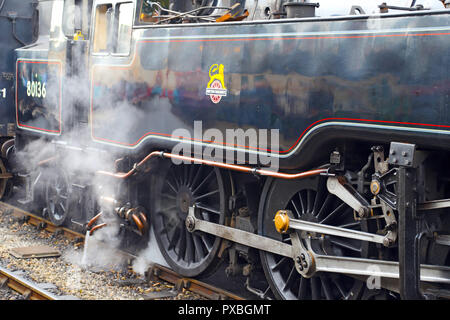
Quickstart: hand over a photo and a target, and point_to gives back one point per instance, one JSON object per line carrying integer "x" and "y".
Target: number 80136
{"x": 36, "y": 89}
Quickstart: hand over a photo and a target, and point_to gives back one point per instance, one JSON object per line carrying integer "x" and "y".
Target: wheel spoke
{"x": 326, "y": 287}
{"x": 168, "y": 214}
{"x": 207, "y": 194}
{"x": 181, "y": 245}
{"x": 207, "y": 241}
{"x": 165, "y": 195}
{"x": 301, "y": 203}
{"x": 310, "y": 198}
{"x": 175, "y": 238}
{"x": 315, "y": 288}
{"x": 324, "y": 207}
{"x": 185, "y": 175}
{"x": 170, "y": 225}
{"x": 310, "y": 202}
{"x": 203, "y": 182}
{"x": 289, "y": 279}
{"x": 295, "y": 207}
{"x": 189, "y": 254}
{"x": 334, "y": 213}
{"x": 197, "y": 175}
{"x": 181, "y": 186}
{"x": 286, "y": 240}
{"x": 207, "y": 208}
{"x": 319, "y": 196}
{"x": 172, "y": 187}
{"x": 191, "y": 171}
{"x": 303, "y": 289}
{"x": 338, "y": 284}
{"x": 172, "y": 173}
{"x": 199, "y": 249}
{"x": 168, "y": 209}
{"x": 345, "y": 244}
{"x": 279, "y": 264}
{"x": 205, "y": 216}
{"x": 351, "y": 225}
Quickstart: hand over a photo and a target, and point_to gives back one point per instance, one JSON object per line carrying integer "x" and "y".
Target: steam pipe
{"x": 99, "y": 226}
{"x": 261, "y": 172}
{"x": 40, "y": 163}
{"x": 138, "y": 223}
{"x": 143, "y": 218}
{"x": 93, "y": 220}
{"x": 129, "y": 214}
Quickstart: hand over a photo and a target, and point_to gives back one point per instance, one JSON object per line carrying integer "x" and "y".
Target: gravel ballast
{"x": 103, "y": 274}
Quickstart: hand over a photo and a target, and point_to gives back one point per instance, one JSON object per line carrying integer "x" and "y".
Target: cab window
{"x": 124, "y": 16}
{"x": 103, "y": 22}
{"x": 148, "y": 13}
{"x": 113, "y": 28}
{"x": 76, "y": 18}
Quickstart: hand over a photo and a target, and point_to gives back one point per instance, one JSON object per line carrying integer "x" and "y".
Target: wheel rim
{"x": 189, "y": 254}
{"x": 3, "y": 182}
{"x": 310, "y": 201}
{"x": 57, "y": 196}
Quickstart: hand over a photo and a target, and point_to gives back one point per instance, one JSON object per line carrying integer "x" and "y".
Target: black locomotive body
{"x": 256, "y": 134}
{"x": 19, "y": 24}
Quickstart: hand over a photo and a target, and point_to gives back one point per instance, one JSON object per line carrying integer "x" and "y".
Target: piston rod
{"x": 324, "y": 263}
{"x": 284, "y": 221}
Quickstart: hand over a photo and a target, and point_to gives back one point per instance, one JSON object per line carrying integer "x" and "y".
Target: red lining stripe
{"x": 266, "y": 39}
{"x": 352, "y": 120}
{"x": 60, "y": 96}
{"x": 298, "y": 38}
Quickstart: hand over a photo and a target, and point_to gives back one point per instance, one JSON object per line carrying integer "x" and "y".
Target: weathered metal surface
{"x": 34, "y": 252}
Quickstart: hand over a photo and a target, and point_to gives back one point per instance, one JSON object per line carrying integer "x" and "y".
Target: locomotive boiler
{"x": 304, "y": 140}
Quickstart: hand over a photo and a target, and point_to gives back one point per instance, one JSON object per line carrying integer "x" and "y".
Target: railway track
{"x": 156, "y": 272}
{"x": 27, "y": 289}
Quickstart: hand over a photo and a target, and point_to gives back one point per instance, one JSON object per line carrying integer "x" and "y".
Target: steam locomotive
{"x": 307, "y": 141}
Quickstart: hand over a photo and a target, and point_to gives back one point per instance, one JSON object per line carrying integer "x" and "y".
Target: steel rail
{"x": 156, "y": 271}
{"x": 26, "y": 288}
{"x": 39, "y": 221}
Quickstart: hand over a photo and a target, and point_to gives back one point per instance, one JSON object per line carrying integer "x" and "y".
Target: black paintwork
{"x": 317, "y": 81}
{"x": 18, "y": 26}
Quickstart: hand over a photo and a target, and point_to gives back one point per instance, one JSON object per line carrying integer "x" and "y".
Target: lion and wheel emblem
{"x": 216, "y": 88}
